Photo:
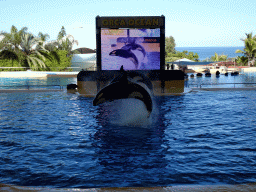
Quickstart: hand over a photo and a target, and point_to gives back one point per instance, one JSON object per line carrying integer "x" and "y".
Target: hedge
{"x": 10, "y": 63}
{"x": 55, "y": 61}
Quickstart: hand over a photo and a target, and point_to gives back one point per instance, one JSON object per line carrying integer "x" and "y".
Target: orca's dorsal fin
{"x": 122, "y": 68}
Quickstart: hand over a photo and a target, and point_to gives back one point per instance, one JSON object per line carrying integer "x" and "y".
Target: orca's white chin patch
{"x": 129, "y": 112}
{"x": 128, "y": 64}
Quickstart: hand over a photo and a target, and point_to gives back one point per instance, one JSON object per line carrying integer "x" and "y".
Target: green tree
{"x": 43, "y": 38}
{"x": 170, "y": 44}
{"x": 62, "y": 33}
{"x": 33, "y": 58}
{"x": 1, "y": 43}
{"x": 217, "y": 57}
{"x": 12, "y": 40}
{"x": 58, "y": 60}
{"x": 248, "y": 36}
{"x": 67, "y": 43}
{"x": 23, "y": 47}
{"x": 170, "y": 57}
{"x": 242, "y": 60}
{"x": 250, "y": 48}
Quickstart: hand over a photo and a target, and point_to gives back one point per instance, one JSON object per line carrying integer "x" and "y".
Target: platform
{"x": 177, "y": 188}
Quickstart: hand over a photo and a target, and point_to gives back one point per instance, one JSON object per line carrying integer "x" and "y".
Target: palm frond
{"x": 14, "y": 29}
{"x": 39, "y": 55}
{"x": 40, "y": 62}
{"x": 55, "y": 56}
{"x": 29, "y": 63}
{"x": 33, "y": 61}
{"x": 239, "y": 51}
{"x": 46, "y": 55}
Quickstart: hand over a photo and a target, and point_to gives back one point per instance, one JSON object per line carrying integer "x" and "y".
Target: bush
{"x": 57, "y": 61}
{"x": 10, "y": 63}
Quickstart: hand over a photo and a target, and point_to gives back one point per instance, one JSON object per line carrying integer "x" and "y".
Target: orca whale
{"x": 134, "y": 46}
{"x": 125, "y": 54}
{"x": 126, "y": 86}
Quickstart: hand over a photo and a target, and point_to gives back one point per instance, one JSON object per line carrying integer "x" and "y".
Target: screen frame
{"x": 131, "y": 23}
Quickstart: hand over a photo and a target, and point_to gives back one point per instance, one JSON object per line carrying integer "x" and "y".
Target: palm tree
{"x": 23, "y": 47}
{"x": 43, "y": 38}
{"x": 12, "y": 40}
{"x": 249, "y": 36}
{"x": 218, "y": 58}
{"x": 66, "y": 43}
{"x": 62, "y": 33}
{"x": 1, "y": 44}
{"x": 242, "y": 60}
{"x": 27, "y": 53}
{"x": 32, "y": 51}
{"x": 250, "y": 48}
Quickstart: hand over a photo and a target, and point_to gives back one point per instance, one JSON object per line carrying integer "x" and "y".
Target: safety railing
{"x": 29, "y": 87}
{"x": 203, "y": 84}
{"x": 90, "y": 68}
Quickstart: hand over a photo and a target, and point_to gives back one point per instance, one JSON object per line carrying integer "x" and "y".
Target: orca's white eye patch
{"x": 135, "y": 95}
{"x": 100, "y": 95}
{"x": 132, "y": 60}
{"x": 113, "y": 53}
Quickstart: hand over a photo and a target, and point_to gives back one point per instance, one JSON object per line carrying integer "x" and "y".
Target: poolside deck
{"x": 193, "y": 188}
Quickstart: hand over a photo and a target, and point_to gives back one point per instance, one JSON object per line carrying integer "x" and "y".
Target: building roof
{"x": 84, "y": 50}
{"x": 184, "y": 59}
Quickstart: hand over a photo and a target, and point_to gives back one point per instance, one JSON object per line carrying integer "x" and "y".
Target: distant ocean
{"x": 208, "y": 52}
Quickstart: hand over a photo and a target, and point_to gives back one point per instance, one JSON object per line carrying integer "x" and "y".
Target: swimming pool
{"x": 17, "y": 83}
{"x": 58, "y": 139}
{"x": 215, "y": 82}
{"x": 245, "y": 77}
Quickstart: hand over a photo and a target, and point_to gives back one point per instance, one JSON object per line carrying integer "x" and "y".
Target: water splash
{"x": 129, "y": 112}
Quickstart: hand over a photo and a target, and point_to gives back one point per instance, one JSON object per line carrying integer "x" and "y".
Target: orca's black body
{"x": 125, "y": 54}
{"x": 134, "y": 46}
{"x": 123, "y": 87}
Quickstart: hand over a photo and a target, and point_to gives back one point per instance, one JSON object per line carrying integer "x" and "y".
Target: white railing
{"x": 205, "y": 84}
{"x": 93, "y": 67}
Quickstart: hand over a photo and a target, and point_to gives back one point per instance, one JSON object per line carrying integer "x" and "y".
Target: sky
{"x": 192, "y": 23}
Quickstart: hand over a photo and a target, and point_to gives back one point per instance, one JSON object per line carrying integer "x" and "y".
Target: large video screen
{"x": 135, "y": 49}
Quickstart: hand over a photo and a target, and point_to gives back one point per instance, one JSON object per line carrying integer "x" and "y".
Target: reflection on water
{"x": 246, "y": 77}
{"x": 25, "y": 81}
{"x": 61, "y": 140}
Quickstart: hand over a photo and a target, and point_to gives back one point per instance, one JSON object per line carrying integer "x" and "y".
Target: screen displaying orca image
{"x": 135, "y": 49}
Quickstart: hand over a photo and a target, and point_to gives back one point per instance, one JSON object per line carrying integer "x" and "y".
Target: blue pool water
{"x": 13, "y": 83}
{"x": 246, "y": 77}
{"x": 214, "y": 82}
{"x": 58, "y": 139}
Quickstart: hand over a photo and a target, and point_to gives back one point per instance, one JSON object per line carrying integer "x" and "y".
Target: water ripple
{"x": 61, "y": 140}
